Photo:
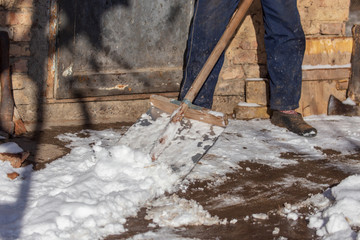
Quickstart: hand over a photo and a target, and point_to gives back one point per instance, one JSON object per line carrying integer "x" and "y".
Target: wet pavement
{"x": 262, "y": 189}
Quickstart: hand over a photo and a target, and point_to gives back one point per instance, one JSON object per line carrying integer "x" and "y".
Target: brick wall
{"x": 27, "y": 22}
{"x": 16, "y": 17}
{"x": 246, "y": 57}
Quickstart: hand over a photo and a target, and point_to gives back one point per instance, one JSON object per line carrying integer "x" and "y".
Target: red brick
{"x": 19, "y": 50}
{"x": 20, "y": 66}
{"x": 19, "y": 18}
{"x": 21, "y": 33}
{"x": 2, "y": 18}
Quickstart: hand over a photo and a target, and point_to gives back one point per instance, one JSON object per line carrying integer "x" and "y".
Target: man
{"x": 284, "y": 44}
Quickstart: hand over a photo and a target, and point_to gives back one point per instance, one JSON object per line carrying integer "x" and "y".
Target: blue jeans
{"x": 284, "y": 44}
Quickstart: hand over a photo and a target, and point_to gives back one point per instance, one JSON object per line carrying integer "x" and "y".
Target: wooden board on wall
{"x": 111, "y": 48}
{"x": 315, "y": 95}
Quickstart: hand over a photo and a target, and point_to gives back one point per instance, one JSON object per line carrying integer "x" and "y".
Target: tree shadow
{"x": 93, "y": 45}
{"x": 38, "y": 72}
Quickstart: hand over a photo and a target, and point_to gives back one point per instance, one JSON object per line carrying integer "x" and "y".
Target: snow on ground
{"x": 338, "y": 211}
{"x": 10, "y": 147}
{"x": 259, "y": 141}
{"x": 90, "y": 192}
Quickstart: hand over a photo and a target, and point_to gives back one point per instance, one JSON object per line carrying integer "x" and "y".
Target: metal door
{"x": 113, "y": 47}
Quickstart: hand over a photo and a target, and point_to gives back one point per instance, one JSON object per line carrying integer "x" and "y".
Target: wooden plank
{"x": 201, "y": 114}
{"x": 49, "y": 91}
{"x": 111, "y": 98}
{"x": 92, "y": 85}
{"x": 326, "y": 74}
{"x": 328, "y": 51}
{"x": 319, "y": 45}
{"x": 89, "y": 41}
{"x": 315, "y": 96}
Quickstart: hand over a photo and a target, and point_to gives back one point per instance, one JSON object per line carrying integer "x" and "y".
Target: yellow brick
{"x": 19, "y": 18}
{"x": 330, "y": 14}
{"x": 257, "y": 92}
{"x": 332, "y": 28}
{"x": 235, "y": 72}
{"x": 21, "y": 33}
{"x": 247, "y": 28}
{"x": 305, "y": 3}
{"x": 25, "y": 3}
{"x": 19, "y": 81}
{"x": 244, "y": 56}
{"x": 226, "y": 104}
{"x": 230, "y": 87}
{"x": 311, "y": 27}
{"x": 255, "y": 70}
{"x": 251, "y": 112}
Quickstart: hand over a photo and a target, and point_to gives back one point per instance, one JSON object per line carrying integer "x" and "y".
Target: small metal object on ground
{"x": 335, "y": 106}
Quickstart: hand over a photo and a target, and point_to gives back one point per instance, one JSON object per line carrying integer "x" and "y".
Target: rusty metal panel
{"x": 111, "y": 47}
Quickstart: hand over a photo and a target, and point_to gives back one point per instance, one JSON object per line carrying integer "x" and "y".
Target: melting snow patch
{"x": 175, "y": 212}
{"x": 162, "y": 234}
{"x": 261, "y": 216}
{"x": 276, "y": 231}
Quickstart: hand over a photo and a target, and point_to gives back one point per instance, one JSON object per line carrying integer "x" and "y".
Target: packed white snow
{"x": 10, "y": 147}
{"x": 89, "y": 193}
{"x": 339, "y": 211}
{"x": 174, "y": 211}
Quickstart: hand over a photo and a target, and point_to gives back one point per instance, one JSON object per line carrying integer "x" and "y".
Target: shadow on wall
{"x": 37, "y": 66}
{"x": 257, "y": 19}
{"x": 102, "y": 44}
{"x": 354, "y": 16}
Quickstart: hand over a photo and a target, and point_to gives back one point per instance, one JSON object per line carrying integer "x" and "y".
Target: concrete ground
{"x": 263, "y": 190}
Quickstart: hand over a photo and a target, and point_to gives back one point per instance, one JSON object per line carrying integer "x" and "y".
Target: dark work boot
{"x": 294, "y": 123}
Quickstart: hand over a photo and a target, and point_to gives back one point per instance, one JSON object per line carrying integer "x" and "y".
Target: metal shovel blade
{"x": 191, "y": 141}
{"x": 336, "y": 107}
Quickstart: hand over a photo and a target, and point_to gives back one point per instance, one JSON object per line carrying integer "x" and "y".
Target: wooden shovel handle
{"x": 218, "y": 50}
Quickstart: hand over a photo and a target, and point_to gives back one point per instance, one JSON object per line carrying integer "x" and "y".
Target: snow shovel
{"x": 183, "y": 138}
{"x": 335, "y": 106}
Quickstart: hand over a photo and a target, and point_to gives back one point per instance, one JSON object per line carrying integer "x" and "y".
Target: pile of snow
{"x": 339, "y": 211}
{"x": 10, "y": 147}
{"x": 89, "y": 193}
{"x": 261, "y": 142}
{"x": 174, "y": 211}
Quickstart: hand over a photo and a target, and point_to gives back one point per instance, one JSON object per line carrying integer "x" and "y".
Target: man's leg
{"x": 209, "y": 23}
{"x": 285, "y": 47}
